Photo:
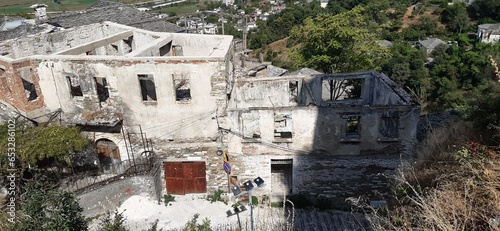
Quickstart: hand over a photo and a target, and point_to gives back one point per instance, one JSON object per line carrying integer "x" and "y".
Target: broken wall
{"x": 19, "y": 85}
{"x": 48, "y": 43}
{"x": 322, "y": 130}
{"x": 140, "y": 92}
{"x": 318, "y": 176}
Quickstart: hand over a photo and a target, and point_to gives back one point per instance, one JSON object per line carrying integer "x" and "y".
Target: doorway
{"x": 281, "y": 178}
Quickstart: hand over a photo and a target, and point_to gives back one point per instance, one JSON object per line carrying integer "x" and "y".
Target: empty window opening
{"x": 91, "y": 52}
{"x": 74, "y": 85}
{"x": 282, "y": 128}
{"x": 148, "y": 90}
{"x": 281, "y": 178}
{"x": 165, "y": 50}
{"x": 250, "y": 125}
{"x": 101, "y": 88}
{"x": 341, "y": 89}
{"x": 182, "y": 88}
{"x": 128, "y": 46}
{"x": 294, "y": 87}
{"x": 388, "y": 127}
{"x": 29, "y": 86}
{"x": 352, "y": 126}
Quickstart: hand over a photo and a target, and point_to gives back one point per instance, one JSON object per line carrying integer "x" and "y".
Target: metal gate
{"x": 185, "y": 177}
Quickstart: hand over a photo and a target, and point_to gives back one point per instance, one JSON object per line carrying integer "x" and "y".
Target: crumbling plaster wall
{"x": 203, "y": 45}
{"x": 125, "y": 93}
{"x": 48, "y": 43}
{"x": 272, "y": 93}
{"x": 142, "y": 39}
{"x": 321, "y": 130}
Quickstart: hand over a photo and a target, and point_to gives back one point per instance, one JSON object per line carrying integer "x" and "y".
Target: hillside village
{"x": 115, "y": 106}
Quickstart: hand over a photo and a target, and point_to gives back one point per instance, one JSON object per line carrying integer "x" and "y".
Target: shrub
{"x": 217, "y": 196}
{"x": 192, "y": 225}
{"x": 168, "y": 198}
{"x": 117, "y": 223}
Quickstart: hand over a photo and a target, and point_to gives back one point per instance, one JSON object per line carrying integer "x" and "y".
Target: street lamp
{"x": 249, "y": 187}
{"x": 237, "y": 211}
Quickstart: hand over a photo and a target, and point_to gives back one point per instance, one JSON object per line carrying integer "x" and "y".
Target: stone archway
{"x": 108, "y": 154}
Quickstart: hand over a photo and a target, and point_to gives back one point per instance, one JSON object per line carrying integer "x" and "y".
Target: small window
{"x": 101, "y": 88}
{"x": 388, "y": 127}
{"x": 293, "y": 87}
{"x": 283, "y": 128}
{"x": 351, "y": 130}
{"x": 352, "y": 126}
{"x": 74, "y": 85}
{"x": 165, "y": 50}
{"x": 341, "y": 89}
{"x": 148, "y": 89}
{"x": 182, "y": 88}
{"x": 29, "y": 86}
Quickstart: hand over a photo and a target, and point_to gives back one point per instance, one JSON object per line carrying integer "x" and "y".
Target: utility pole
{"x": 244, "y": 42}
{"x": 245, "y": 32}
{"x": 223, "y": 21}
{"x": 203, "y": 23}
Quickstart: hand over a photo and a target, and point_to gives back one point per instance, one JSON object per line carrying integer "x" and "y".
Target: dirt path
{"x": 406, "y": 17}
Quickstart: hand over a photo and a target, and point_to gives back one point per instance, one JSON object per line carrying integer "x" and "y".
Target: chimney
{"x": 40, "y": 11}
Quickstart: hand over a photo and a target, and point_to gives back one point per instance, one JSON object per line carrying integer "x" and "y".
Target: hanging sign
{"x": 227, "y": 167}
{"x": 226, "y": 157}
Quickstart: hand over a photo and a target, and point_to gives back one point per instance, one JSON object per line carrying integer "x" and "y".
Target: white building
{"x": 488, "y": 33}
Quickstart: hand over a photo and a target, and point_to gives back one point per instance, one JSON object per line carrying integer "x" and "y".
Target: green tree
{"x": 484, "y": 111}
{"x": 485, "y": 10}
{"x": 337, "y": 43}
{"x": 41, "y": 143}
{"x": 46, "y": 208}
{"x": 116, "y": 223}
{"x": 455, "y": 17}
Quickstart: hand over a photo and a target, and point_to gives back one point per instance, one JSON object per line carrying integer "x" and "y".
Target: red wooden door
{"x": 200, "y": 180}
{"x": 174, "y": 177}
{"x": 185, "y": 177}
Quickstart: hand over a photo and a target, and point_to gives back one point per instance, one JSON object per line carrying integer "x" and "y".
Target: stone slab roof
{"x": 99, "y": 12}
{"x": 115, "y": 12}
{"x": 431, "y": 43}
{"x": 490, "y": 26}
{"x": 22, "y": 31}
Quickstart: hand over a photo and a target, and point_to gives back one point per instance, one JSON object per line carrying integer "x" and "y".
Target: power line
{"x": 184, "y": 126}
{"x": 180, "y": 121}
{"x": 265, "y": 143}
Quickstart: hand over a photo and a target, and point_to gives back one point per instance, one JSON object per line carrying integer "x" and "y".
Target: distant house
{"x": 429, "y": 44}
{"x": 323, "y": 3}
{"x": 264, "y": 16}
{"x": 488, "y": 33}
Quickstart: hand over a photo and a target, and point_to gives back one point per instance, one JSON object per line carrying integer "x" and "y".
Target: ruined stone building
{"x": 331, "y": 136}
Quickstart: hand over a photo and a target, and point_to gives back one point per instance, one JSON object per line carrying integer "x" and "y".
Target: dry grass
{"x": 449, "y": 188}
{"x": 271, "y": 218}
